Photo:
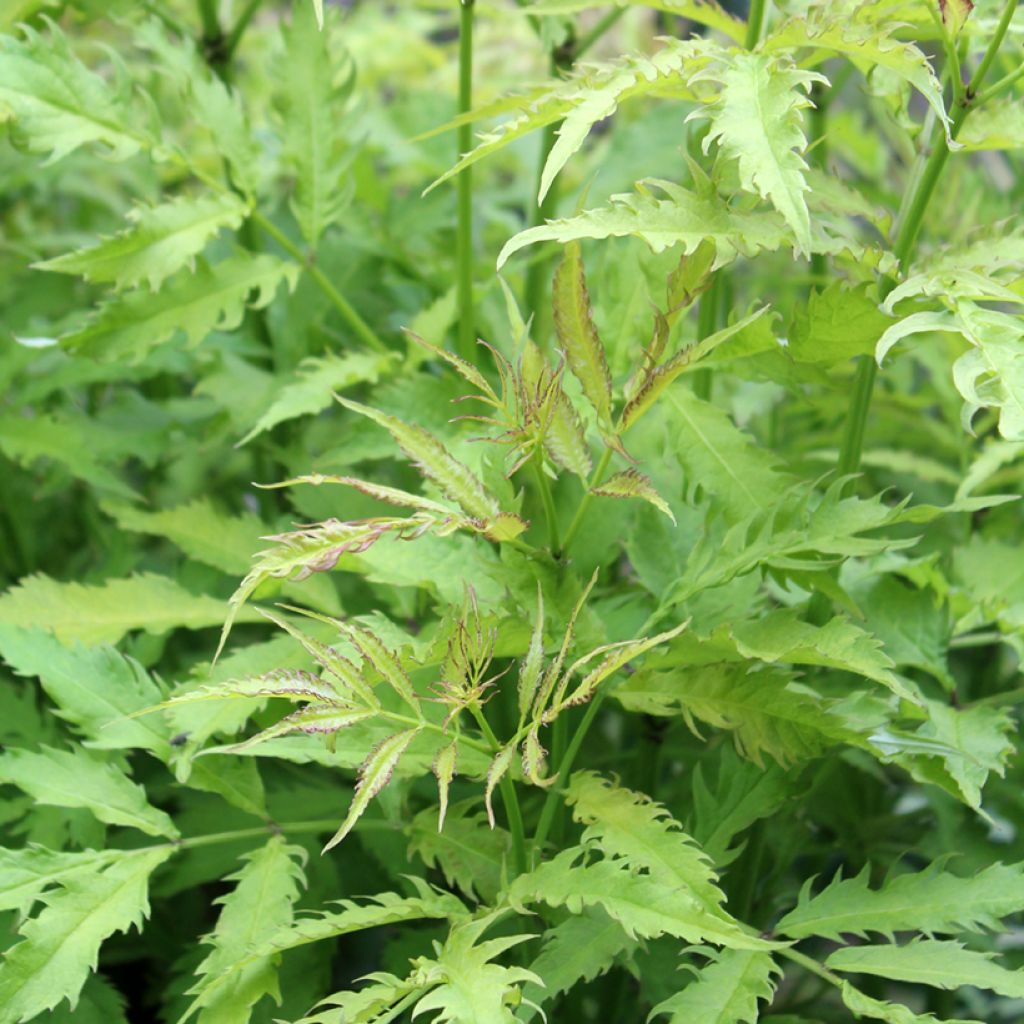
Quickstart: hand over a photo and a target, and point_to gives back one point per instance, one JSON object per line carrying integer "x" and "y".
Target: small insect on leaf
{"x": 374, "y": 774}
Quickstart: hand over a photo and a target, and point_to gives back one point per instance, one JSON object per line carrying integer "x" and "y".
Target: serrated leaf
{"x": 60, "y": 945}
{"x": 444, "y": 769}
{"x": 316, "y": 80}
{"x": 103, "y": 614}
{"x": 726, "y": 991}
{"x": 942, "y": 964}
{"x": 645, "y": 907}
{"x": 384, "y": 661}
{"x": 57, "y": 103}
{"x": 530, "y": 666}
{"x": 577, "y": 334}
{"x": 261, "y": 903}
{"x": 631, "y": 483}
{"x": 456, "y": 480}
{"x": 374, "y": 774}
{"x": 27, "y": 872}
{"x": 64, "y": 778}
{"x": 215, "y": 297}
{"x": 927, "y": 901}
{"x": 892, "y": 1013}
{"x": 314, "y": 719}
{"x": 756, "y": 121}
{"x": 703, "y": 12}
{"x": 496, "y": 771}
{"x": 161, "y": 240}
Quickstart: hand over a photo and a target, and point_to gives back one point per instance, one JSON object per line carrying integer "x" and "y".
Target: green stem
{"x": 544, "y": 489}
{"x": 819, "y": 158}
{"x": 509, "y": 797}
{"x": 811, "y": 965}
{"x": 581, "y": 509}
{"x": 213, "y": 38}
{"x": 998, "y": 700}
{"x": 553, "y": 799}
{"x": 464, "y": 185}
{"x": 707, "y": 323}
{"x": 587, "y": 41}
{"x": 853, "y": 437}
{"x": 214, "y": 838}
{"x": 755, "y": 20}
{"x": 344, "y": 307}
{"x": 1001, "y": 86}
{"x": 238, "y": 30}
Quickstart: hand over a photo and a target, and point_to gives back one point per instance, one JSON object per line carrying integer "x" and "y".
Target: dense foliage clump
{"x": 509, "y": 511}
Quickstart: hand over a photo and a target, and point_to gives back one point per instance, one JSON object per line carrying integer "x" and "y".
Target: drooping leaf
{"x": 631, "y": 483}
{"x": 892, "y": 1013}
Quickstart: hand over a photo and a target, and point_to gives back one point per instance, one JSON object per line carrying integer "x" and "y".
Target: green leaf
{"x": 682, "y": 218}
{"x": 64, "y": 778}
{"x": 314, "y": 385}
{"x": 316, "y": 80}
{"x": 643, "y": 905}
{"x": 927, "y": 901}
{"x": 28, "y": 872}
{"x": 628, "y": 824}
{"x": 470, "y": 988}
{"x": 836, "y": 325}
{"x": 727, "y": 991}
{"x": 161, "y": 240}
{"x": 214, "y": 297}
{"x": 631, "y": 483}
{"x": 261, "y": 902}
{"x": 580, "y": 948}
{"x": 57, "y": 103}
{"x": 374, "y": 774}
{"x": 104, "y": 613}
{"x": 941, "y": 964}
{"x": 577, "y": 334}
{"x": 60, "y": 945}
{"x": 862, "y": 1005}
{"x": 756, "y": 120}
{"x": 96, "y": 689}
{"x": 764, "y": 713}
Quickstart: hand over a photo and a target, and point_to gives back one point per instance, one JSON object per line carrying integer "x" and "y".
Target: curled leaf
{"x": 495, "y": 773}
{"x": 444, "y": 769}
{"x": 630, "y": 483}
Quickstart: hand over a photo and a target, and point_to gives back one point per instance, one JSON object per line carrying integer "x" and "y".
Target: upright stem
{"x": 464, "y": 226}
{"x": 581, "y": 509}
{"x": 707, "y": 324}
{"x": 755, "y": 20}
{"x": 544, "y": 489}
{"x": 856, "y": 421}
{"x": 238, "y": 29}
{"x": 213, "y": 37}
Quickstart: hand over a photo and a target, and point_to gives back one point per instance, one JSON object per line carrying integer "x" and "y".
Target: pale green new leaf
{"x": 764, "y": 713}
{"x": 161, "y": 240}
{"x": 60, "y": 945}
{"x": 727, "y": 991}
{"x": 470, "y": 987}
{"x": 578, "y": 949}
{"x": 645, "y": 906}
{"x": 577, "y": 333}
{"x": 316, "y": 78}
{"x": 756, "y": 119}
{"x": 214, "y": 297}
{"x": 942, "y": 964}
{"x": 312, "y": 388}
{"x": 63, "y": 778}
{"x": 96, "y": 689}
{"x": 261, "y": 903}
{"x": 374, "y": 774}
{"x": 683, "y": 217}
{"x": 96, "y": 614}
{"x": 927, "y": 901}
{"x": 628, "y": 824}
{"x": 58, "y": 104}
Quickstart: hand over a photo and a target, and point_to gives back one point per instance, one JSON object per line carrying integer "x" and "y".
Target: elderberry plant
{"x": 489, "y": 552}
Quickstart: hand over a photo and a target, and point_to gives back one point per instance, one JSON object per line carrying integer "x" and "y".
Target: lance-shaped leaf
{"x": 314, "y": 719}
{"x": 927, "y": 901}
{"x": 529, "y": 669}
{"x": 59, "y": 946}
{"x": 496, "y": 771}
{"x": 261, "y": 903}
{"x": 660, "y": 377}
{"x": 727, "y": 991}
{"x": 318, "y": 9}
{"x": 27, "y": 872}
{"x": 942, "y": 964}
{"x": 631, "y": 483}
{"x": 756, "y": 121}
{"x": 703, "y": 12}
{"x": 287, "y": 683}
{"x": 577, "y": 333}
{"x": 862, "y": 1005}
{"x": 644, "y": 906}
{"x": 445, "y": 763}
{"x": 57, "y": 103}
{"x": 161, "y": 240}
{"x": 384, "y": 661}
{"x": 535, "y": 760}
{"x": 689, "y": 279}
{"x": 620, "y": 654}
{"x": 215, "y": 297}
{"x": 374, "y": 774}
{"x": 455, "y": 479}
